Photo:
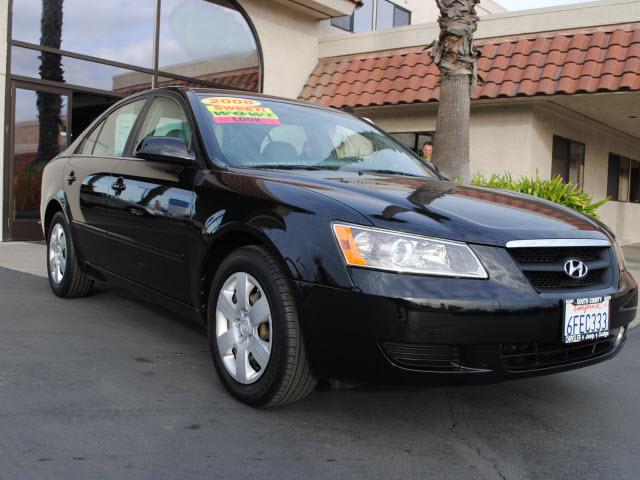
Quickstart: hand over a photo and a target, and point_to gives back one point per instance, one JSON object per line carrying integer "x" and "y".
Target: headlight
{"x": 400, "y": 252}
{"x": 622, "y": 265}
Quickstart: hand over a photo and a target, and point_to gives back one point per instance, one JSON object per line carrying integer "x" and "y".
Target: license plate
{"x": 586, "y": 319}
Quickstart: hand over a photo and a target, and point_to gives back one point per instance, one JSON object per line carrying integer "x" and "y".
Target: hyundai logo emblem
{"x": 575, "y": 269}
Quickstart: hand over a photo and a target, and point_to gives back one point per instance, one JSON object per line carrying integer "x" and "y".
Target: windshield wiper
{"x": 385, "y": 172}
{"x": 290, "y": 167}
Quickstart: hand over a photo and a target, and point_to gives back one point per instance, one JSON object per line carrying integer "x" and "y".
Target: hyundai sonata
{"x": 313, "y": 245}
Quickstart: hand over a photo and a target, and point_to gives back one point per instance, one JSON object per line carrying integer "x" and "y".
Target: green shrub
{"x": 554, "y": 190}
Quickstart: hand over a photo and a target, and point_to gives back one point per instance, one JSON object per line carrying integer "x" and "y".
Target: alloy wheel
{"x": 57, "y": 254}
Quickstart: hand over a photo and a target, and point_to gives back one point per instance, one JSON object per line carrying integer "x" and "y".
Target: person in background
{"x": 427, "y": 155}
{"x": 427, "y": 151}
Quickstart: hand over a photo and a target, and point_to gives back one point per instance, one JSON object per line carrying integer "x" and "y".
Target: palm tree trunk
{"x": 455, "y": 55}
{"x": 50, "y": 104}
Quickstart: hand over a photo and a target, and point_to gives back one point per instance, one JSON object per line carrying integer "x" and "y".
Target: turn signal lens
{"x": 405, "y": 253}
{"x": 348, "y": 245}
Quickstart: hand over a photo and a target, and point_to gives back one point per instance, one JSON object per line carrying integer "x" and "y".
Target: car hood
{"x": 448, "y": 210}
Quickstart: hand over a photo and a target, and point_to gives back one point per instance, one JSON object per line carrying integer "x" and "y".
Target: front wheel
{"x": 254, "y": 333}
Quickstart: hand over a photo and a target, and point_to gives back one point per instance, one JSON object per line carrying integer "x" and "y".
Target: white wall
{"x": 600, "y": 140}
{"x": 422, "y": 11}
{"x": 4, "y": 20}
{"x": 503, "y": 24}
{"x": 289, "y": 40}
{"x": 502, "y": 136}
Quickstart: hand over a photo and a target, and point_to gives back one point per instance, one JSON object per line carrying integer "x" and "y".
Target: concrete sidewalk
{"x": 30, "y": 257}
{"x": 25, "y": 257}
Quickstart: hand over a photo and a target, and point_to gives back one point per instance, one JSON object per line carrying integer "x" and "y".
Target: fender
{"x": 59, "y": 198}
{"x": 293, "y": 223}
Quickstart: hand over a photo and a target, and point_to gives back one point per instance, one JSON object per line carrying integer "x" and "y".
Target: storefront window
{"x": 119, "y": 30}
{"x": 29, "y": 63}
{"x": 568, "y": 161}
{"x": 415, "y": 141}
{"x": 390, "y": 15}
{"x": 186, "y": 47}
{"x": 209, "y": 42}
{"x": 618, "y": 178}
{"x": 387, "y": 15}
{"x": 40, "y": 133}
{"x": 73, "y": 59}
{"x": 634, "y": 182}
{"x": 360, "y": 21}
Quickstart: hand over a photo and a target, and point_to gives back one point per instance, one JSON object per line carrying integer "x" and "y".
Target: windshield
{"x": 270, "y": 134}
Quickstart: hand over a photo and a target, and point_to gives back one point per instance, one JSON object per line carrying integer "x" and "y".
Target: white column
{"x": 4, "y": 27}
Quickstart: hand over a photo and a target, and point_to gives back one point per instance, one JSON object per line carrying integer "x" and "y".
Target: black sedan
{"x": 313, "y": 245}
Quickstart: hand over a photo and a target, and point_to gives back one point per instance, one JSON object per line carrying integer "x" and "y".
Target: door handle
{"x": 118, "y": 186}
{"x": 71, "y": 178}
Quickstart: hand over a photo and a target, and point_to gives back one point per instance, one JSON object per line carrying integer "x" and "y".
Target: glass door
{"x": 40, "y": 125}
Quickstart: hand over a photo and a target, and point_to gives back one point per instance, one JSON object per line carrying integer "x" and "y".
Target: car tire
{"x": 287, "y": 376}
{"x": 66, "y": 278}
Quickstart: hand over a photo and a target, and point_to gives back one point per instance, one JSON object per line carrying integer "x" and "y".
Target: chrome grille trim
{"x": 558, "y": 242}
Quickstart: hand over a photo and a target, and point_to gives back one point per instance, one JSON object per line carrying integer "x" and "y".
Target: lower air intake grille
{"x": 442, "y": 358}
{"x": 535, "y": 356}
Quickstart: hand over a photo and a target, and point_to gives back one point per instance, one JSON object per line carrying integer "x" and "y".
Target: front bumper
{"x": 369, "y": 332}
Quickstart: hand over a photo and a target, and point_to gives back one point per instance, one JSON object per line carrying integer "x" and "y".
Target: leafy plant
{"x": 555, "y": 190}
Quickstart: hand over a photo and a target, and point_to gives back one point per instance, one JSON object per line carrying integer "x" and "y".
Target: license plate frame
{"x": 586, "y": 319}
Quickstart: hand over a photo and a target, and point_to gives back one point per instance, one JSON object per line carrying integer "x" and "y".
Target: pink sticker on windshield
{"x": 241, "y": 111}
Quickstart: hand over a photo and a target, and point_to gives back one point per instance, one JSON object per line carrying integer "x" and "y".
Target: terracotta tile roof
{"x": 603, "y": 59}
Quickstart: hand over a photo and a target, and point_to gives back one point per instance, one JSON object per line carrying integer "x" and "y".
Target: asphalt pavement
{"x": 108, "y": 387}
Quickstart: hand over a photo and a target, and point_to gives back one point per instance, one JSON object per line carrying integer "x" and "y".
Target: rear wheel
{"x": 66, "y": 278}
{"x": 254, "y": 334}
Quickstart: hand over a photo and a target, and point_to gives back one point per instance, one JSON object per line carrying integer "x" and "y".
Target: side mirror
{"x": 165, "y": 149}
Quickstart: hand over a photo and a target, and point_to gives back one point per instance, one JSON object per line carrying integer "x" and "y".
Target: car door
{"x": 151, "y": 204}
{"x": 88, "y": 181}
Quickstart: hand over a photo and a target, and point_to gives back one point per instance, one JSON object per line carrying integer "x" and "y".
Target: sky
{"x": 527, "y": 4}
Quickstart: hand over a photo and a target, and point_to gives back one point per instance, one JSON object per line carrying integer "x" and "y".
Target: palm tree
{"x": 456, "y": 56}
{"x": 50, "y": 104}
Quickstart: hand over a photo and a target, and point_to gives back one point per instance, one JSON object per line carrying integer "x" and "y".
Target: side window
{"x": 165, "y": 118}
{"x": 90, "y": 141}
{"x": 114, "y": 132}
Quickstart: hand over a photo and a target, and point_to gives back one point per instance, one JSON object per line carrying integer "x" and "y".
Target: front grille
{"x": 534, "y": 356}
{"x": 441, "y": 358}
{"x": 544, "y": 267}
{"x": 556, "y": 254}
{"x": 549, "y": 280}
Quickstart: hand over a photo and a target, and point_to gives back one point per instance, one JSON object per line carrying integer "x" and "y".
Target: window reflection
{"x": 188, "y": 49}
{"x": 209, "y": 42}
{"x": 28, "y": 63}
{"x": 119, "y": 30}
{"x": 40, "y": 133}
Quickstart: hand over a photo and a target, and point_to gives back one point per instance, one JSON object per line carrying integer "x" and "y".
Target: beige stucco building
{"x": 280, "y": 47}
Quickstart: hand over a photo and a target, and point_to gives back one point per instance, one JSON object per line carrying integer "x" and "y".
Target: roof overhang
{"x": 603, "y": 59}
{"x": 323, "y": 9}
